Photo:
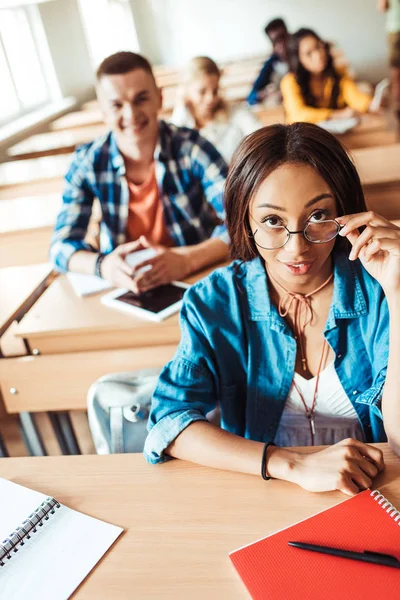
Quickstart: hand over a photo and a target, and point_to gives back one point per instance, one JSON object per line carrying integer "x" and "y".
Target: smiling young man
{"x": 158, "y": 186}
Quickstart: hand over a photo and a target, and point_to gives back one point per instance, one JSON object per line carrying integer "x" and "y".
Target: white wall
{"x": 172, "y": 31}
{"x": 68, "y": 48}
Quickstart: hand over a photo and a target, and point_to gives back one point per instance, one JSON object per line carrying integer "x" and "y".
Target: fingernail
{"x": 342, "y": 232}
{"x": 351, "y": 256}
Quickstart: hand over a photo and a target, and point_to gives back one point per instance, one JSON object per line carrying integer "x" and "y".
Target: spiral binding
{"x": 21, "y": 534}
{"x": 387, "y": 506}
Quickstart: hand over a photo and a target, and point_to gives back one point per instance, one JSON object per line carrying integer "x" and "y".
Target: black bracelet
{"x": 264, "y": 461}
{"x": 97, "y": 264}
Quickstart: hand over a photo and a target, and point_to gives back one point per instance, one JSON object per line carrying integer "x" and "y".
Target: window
{"x": 109, "y": 27}
{"x": 24, "y": 82}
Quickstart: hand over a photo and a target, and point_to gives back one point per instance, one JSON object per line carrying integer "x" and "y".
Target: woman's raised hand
{"x": 377, "y": 247}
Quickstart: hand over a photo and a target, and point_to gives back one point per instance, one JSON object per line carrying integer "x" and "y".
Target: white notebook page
{"x": 57, "y": 558}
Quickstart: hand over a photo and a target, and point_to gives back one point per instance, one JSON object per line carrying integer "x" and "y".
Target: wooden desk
{"x": 19, "y": 289}
{"x": 34, "y": 176}
{"x": 181, "y": 520}
{"x": 77, "y": 119}
{"x": 378, "y": 165}
{"x": 372, "y": 131}
{"x": 26, "y": 226}
{"x": 55, "y": 142}
{"x": 379, "y": 169}
{"x": 67, "y": 334}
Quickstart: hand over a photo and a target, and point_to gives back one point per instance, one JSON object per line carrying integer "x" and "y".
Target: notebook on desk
{"x": 271, "y": 569}
{"x": 46, "y": 549}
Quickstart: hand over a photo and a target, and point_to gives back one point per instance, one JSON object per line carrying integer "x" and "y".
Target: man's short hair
{"x": 273, "y": 25}
{"x": 123, "y": 62}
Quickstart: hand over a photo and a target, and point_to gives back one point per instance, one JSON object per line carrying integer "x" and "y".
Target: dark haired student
{"x": 275, "y": 67}
{"x": 158, "y": 185}
{"x": 291, "y": 339}
{"x": 316, "y": 90}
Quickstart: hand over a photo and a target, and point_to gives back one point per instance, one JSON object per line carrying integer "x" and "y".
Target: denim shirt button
{"x": 339, "y": 356}
{"x": 355, "y": 392}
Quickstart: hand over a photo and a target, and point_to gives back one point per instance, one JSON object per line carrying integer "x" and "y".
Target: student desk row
{"x": 181, "y": 520}
{"x": 26, "y": 227}
{"x": 20, "y": 287}
{"x": 33, "y": 176}
{"x": 379, "y": 170}
{"x": 372, "y": 131}
{"x": 70, "y": 342}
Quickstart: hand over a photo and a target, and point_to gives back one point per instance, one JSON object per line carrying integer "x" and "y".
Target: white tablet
{"x": 156, "y": 305}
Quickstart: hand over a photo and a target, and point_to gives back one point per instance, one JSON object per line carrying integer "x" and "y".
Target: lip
{"x": 298, "y": 268}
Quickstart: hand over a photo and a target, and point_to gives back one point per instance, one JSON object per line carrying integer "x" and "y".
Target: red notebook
{"x": 273, "y": 570}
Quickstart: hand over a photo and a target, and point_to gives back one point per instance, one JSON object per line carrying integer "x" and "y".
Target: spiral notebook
{"x": 46, "y": 549}
{"x": 271, "y": 569}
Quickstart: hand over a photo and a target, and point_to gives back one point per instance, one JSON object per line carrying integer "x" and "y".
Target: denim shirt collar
{"x": 348, "y": 297}
{"x": 160, "y": 151}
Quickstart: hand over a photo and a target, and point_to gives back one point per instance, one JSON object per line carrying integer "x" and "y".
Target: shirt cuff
{"x": 163, "y": 433}
{"x": 373, "y": 395}
{"x": 61, "y": 252}
{"x": 221, "y": 233}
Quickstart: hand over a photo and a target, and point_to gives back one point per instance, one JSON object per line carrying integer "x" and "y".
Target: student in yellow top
{"x": 315, "y": 90}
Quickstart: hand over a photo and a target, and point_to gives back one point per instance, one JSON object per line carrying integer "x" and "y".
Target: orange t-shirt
{"x": 146, "y": 212}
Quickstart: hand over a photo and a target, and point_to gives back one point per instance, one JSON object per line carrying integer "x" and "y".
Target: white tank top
{"x": 335, "y": 417}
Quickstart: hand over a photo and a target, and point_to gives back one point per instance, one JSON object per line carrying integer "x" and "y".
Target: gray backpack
{"x": 118, "y": 409}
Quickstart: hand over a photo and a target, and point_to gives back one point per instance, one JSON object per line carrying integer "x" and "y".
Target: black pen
{"x": 387, "y": 560}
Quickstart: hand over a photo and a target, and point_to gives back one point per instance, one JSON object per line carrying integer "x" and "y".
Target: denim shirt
{"x": 236, "y": 350}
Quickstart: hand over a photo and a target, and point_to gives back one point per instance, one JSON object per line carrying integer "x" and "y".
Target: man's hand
{"x": 169, "y": 264}
{"x": 114, "y": 268}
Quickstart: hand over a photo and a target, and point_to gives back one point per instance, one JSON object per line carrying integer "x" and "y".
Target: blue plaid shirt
{"x": 190, "y": 174}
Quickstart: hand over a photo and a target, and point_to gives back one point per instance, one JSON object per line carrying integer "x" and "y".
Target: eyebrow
{"x": 116, "y": 99}
{"x": 309, "y": 203}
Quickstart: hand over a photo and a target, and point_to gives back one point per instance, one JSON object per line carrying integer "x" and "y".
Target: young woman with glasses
{"x": 292, "y": 339}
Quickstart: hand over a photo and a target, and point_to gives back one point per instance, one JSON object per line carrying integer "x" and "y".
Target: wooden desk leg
{"x": 64, "y": 432}
{"x": 31, "y": 435}
{"x": 3, "y": 449}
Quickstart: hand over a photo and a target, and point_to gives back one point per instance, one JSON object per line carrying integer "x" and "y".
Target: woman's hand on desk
{"x": 349, "y": 466}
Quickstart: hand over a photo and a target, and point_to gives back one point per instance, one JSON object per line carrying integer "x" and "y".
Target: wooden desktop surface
{"x": 378, "y": 165}
{"x": 29, "y": 212}
{"x": 19, "y": 287}
{"x": 181, "y": 520}
{"x": 55, "y": 142}
{"x": 33, "y": 176}
{"x": 61, "y": 321}
{"x": 68, "y": 334}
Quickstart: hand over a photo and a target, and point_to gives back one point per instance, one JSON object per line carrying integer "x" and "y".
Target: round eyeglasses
{"x": 316, "y": 233}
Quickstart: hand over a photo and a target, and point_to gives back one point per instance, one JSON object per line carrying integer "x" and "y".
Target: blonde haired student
{"x": 316, "y": 90}
{"x": 201, "y": 106}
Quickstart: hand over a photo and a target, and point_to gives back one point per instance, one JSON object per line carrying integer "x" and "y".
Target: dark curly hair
{"x": 303, "y": 76}
{"x": 263, "y": 151}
